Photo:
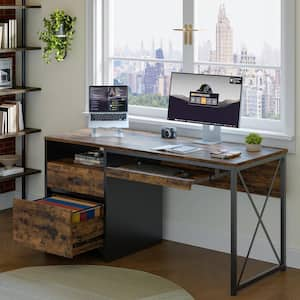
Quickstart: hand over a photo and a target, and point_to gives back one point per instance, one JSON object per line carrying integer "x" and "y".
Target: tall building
{"x": 150, "y": 79}
{"x": 159, "y": 54}
{"x": 246, "y": 58}
{"x": 224, "y": 37}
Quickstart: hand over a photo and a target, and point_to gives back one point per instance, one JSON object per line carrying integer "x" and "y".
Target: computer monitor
{"x": 108, "y": 107}
{"x": 206, "y": 99}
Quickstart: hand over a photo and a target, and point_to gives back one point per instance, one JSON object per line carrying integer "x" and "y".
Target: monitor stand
{"x": 211, "y": 135}
{"x": 118, "y": 133}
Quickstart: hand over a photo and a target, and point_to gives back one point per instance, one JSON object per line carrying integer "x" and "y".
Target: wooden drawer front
{"x": 156, "y": 175}
{"x": 76, "y": 178}
{"x": 50, "y": 229}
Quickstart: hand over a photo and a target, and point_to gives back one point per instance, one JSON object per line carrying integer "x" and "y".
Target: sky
{"x": 255, "y": 22}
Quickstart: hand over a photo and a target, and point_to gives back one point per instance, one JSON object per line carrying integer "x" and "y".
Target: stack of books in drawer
{"x": 91, "y": 158}
{"x": 82, "y": 210}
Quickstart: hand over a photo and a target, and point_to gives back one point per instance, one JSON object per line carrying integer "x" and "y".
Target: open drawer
{"x": 157, "y": 174}
{"x": 56, "y": 229}
{"x": 65, "y": 175}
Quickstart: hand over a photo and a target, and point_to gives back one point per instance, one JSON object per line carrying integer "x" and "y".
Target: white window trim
{"x": 153, "y": 118}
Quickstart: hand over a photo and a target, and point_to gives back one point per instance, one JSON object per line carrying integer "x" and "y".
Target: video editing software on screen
{"x": 207, "y": 99}
{"x": 108, "y": 99}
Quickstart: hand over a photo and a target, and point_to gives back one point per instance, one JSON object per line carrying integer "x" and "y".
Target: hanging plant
{"x": 57, "y": 35}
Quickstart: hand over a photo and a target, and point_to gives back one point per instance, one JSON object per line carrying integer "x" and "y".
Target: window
{"x": 252, "y": 39}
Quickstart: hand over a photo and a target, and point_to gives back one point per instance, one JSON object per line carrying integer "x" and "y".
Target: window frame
{"x": 99, "y": 69}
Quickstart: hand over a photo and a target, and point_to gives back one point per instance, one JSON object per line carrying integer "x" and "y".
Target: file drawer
{"x": 57, "y": 230}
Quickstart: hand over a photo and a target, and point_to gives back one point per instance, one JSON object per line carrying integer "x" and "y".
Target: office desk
{"x": 134, "y": 175}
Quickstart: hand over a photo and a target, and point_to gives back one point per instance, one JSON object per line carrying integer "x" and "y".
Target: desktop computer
{"x": 108, "y": 107}
{"x": 212, "y": 100}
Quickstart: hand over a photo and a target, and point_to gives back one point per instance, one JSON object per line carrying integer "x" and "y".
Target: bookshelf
{"x": 19, "y": 91}
{"x": 23, "y": 6}
{"x": 8, "y": 50}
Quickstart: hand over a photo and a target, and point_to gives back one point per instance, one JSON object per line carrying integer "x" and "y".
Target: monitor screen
{"x": 207, "y": 99}
{"x": 105, "y": 99}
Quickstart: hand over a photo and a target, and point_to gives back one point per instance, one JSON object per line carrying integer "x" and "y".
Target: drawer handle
{"x": 76, "y": 180}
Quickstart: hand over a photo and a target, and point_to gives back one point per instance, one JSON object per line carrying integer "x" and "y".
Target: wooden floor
{"x": 203, "y": 273}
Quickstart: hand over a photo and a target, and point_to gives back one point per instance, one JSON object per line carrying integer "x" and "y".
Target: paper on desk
{"x": 178, "y": 149}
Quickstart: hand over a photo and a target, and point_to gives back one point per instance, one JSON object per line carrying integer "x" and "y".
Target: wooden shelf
{"x": 18, "y": 91}
{"x": 19, "y": 6}
{"x": 7, "y": 50}
{"x": 27, "y": 172}
{"x": 27, "y": 131}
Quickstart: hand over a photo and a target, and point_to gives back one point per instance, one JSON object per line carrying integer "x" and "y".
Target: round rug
{"x": 86, "y": 283}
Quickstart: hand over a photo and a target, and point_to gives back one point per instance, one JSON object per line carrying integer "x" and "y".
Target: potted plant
{"x": 253, "y": 142}
{"x": 57, "y": 35}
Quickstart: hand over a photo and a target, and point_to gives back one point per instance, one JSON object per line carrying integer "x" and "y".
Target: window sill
{"x": 271, "y": 139}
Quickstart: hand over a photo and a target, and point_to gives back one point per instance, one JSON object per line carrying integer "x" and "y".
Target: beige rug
{"x": 86, "y": 283}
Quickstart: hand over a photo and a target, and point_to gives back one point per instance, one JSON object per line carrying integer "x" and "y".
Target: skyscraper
{"x": 159, "y": 54}
{"x": 224, "y": 36}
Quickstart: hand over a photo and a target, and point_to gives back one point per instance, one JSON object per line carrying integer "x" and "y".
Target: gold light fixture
{"x": 188, "y": 31}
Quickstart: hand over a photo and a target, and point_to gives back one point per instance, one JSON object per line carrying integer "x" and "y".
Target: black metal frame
{"x": 236, "y": 281}
{"x": 23, "y": 99}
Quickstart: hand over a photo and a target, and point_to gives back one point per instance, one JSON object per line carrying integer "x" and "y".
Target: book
{"x": 10, "y": 33}
{"x": 4, "y": 122}
{"x": 15, "y": 34}
{"x": 1, "y": 36}
{"x": 5, "y": 35}
{"x": 225, "y": 154}
{"x": 20, "y": 117}
{"x": 91, "y": 158}
{"x": 12, "y": 123}
{"x": 1, "y": 122}
{"x": 4, "y": 111}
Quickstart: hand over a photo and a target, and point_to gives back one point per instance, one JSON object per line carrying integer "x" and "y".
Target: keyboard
{"x": 109, "y": 117}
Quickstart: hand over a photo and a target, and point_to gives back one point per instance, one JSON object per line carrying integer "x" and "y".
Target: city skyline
{"x": 149, "y": 82}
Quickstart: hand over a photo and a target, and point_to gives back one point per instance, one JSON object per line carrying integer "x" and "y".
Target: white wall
{"x": 59, "y": 107}
{"x": 200, "y": 217}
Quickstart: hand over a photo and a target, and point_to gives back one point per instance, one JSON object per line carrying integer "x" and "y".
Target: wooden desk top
{"x": 144, "y": 142}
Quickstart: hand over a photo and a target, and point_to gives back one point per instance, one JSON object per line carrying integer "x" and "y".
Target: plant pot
{"x": 253, "y": 147}
{"x": 61, "y": 31}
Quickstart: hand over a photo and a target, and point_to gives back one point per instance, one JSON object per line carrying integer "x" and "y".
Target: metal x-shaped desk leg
{"x": 238, "y": 284}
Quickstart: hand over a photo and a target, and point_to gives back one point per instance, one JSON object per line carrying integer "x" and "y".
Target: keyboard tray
{"x": 157, "y": 175}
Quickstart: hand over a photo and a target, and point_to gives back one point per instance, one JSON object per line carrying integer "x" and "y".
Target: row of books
{"x": 11, "y": 117}
{"x": 91, "y": 158}
{"x": 8, "y": 34}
